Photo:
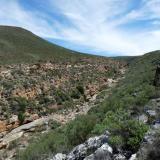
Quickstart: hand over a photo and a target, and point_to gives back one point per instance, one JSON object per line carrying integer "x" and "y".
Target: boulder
{"x": 119, "y": 157}
{"x": 78, "y": 152}
{"x": 13, "y": 119}
{"x": 151, "y": 113}
{"x": 96, "y": 142}
{"x": 90, "y": 157}
{"x": 12, "y": 137}
{"x": 59, "y": 156}
{"x": 133, "y": 157}
{"x": 143, "y": 118}
{"x": 103, "y": 153}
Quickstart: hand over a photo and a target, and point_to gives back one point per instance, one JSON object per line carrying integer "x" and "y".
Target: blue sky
{"x": 104, "y": 27}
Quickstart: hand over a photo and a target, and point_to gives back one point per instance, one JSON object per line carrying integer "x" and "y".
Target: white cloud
{"x": 11, "y": 13}
{"x": 97, "y": 28}
{"x": 93, "y": 24}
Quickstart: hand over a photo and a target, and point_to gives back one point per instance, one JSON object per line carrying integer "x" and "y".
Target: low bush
{"x": 78, "y": 130}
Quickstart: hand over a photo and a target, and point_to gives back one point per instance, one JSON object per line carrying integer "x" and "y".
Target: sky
{"x": 103, "y": 27}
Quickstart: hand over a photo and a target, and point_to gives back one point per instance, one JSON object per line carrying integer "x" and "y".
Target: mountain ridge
{"x": 20, "y": 45}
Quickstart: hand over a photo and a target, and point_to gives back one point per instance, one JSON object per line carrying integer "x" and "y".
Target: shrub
{"x": 80, "y": 89}
{"x": 124, "y": 131}
{"x": 78, "y": 130}
{"x": 21, "y": 117}
{"x": 75, "y": 94}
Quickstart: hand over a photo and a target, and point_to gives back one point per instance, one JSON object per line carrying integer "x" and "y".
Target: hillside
{"x": 120, "y": 121}
{"x": 18, "y": 45}
{"x": 41, "y": 83}
{"x": 58, "y": 104}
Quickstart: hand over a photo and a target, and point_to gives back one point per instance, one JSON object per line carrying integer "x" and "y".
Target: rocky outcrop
{"x": 19, "y": 131}
{"x": 95, "y": 148}
{"x": 148, "y": 145}
{"x": 97, "y": 145}
{"x": 149, "y": 149}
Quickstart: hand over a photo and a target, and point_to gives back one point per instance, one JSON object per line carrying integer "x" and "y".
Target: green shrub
{"x": 78, "y": 130}
{"x": 21, "y": 117}
{"x": 123, "y": 129}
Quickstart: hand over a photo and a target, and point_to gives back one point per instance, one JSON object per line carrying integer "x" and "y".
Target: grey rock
{"x": 59, "y": 156}
{"x": 156, "y": 126}
{"x": 92, "y": 144}
{"x": 151, "y": 113}
{"x": 78, "y": 152}
{"x": 96, "y": 142}
{"x": 133, "y": 157}
{"x": 103, "y": 153}
{"x": 90, "y": 157}
{"x": 119, "y": 157}
{"x": 143, "y": 118}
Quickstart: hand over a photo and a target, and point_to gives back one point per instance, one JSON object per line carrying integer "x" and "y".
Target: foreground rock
{"x": 95, "y": 148}
{"x": 149, "y": 147}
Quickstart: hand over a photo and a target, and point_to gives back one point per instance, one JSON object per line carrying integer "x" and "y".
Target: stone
{"x": 133, "y": 157}
{"x": 3, "y": 145}
{"x": 13, "y": 119}
{"x": 96, "y": 142}
{"x": 12, "y": 137}
{"x": 78, "y": 152}
{"x": 143, "y": 118}
{"x": 31, "y": 118}
{"x": 119, "y": 157}
{"x": 103, "y": 153}
{"x": 2, "y": 134}
{"x": 59, "y": 156}
{"x": 90, "y": 157}
{"x": 151, "y": 113}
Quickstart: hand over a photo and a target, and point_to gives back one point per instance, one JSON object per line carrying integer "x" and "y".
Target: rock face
{"x": 19, "y": 131}
{"x": 157, "y": 77}
{"x": 98, "y": 146}
{"x": 149, "y": 145}
{"x": 149, "y": 149}
{"x": 95, "y": 148}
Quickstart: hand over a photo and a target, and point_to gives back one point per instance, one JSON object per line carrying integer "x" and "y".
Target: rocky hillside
{"x": 119, "y": 124}
{"x": 73, "y": 106}
{"x": 38, "y": 93}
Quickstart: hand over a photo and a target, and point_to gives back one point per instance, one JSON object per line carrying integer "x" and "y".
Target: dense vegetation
{"x": 114, "y": 114}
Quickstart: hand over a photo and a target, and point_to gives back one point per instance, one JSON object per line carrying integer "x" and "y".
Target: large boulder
{"x": 92, "y": 145}
{"x": 102, "y": 153}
